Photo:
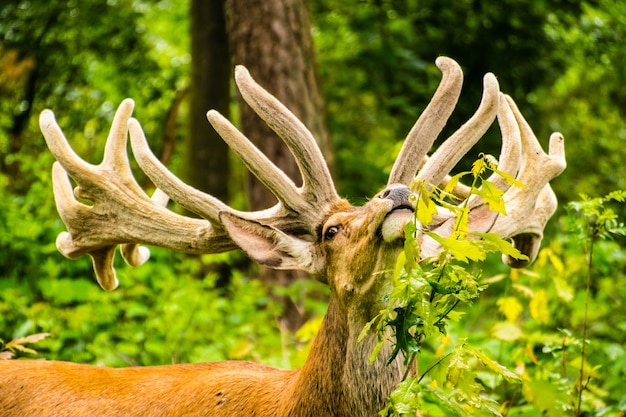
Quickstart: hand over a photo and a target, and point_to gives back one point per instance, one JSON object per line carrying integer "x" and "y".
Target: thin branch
{"x": 590, "y": 241}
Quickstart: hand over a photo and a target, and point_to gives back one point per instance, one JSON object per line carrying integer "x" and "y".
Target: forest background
{"x": 562, "y": 61}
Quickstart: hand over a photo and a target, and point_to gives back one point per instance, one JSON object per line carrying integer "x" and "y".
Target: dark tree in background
{"x": 272, "y": 38}
{"x": 206, "y": 154}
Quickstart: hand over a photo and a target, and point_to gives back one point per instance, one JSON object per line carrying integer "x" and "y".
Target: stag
{"x": 310, "y": 228}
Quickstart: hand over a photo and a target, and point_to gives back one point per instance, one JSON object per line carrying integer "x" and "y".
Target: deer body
{"x": 336, "y": 380}
{"x": 351, "y": 249}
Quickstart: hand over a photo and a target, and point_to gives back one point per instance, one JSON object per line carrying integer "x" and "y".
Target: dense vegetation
{"x": 559, "y": 324}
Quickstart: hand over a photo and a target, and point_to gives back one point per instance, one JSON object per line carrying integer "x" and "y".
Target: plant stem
{"x": 433, "y": 366}
{"x": 409, "y": 366}
{"x": 590, "y": 242}
{"x": 444, "y": 315}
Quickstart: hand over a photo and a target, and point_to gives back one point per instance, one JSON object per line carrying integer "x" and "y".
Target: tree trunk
{"x": 272, "y": 38}
{"x": 210, "y": 89}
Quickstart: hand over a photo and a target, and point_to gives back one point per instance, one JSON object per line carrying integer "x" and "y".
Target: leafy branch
{"x": 427, "y": 292}
{"x": 595, "y": 220}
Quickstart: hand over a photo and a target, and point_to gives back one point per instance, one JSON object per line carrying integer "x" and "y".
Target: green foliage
{"x": 559, "y": 323}
{"x": 424, "y": 298}
{"x": 81, "y": 59}
{"x": 168, "y": 311}
{"x": 587, "y": 103}
{"x": 547, "y": 333}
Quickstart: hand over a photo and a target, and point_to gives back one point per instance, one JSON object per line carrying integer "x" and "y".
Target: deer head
{"x": 310, "y": 228}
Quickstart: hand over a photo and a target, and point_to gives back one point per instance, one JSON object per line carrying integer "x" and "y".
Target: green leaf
{"x": 500, "y": 245}
{"x": 405, "y": 339}
{"x": 405, "y": 399}
{"x": 508, "y": 375}
{"x": 478, "y": 167}
{"x": 462, "y": 249}
{"x": 506, "y": 331}
{"x": 617, "y": 195}
{"x": 454, "y": 181}
{"x": 492, "y": 195}
{"x": 509, "y": 179}
{"x": 426, "y": 209}
{"x": 376, "y": 351}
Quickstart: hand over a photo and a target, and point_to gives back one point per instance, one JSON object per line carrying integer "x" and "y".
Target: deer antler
{"x": 528, "y": 208}
{"x": 429, "y": 124}
{"x": 121, "y": 212}
{"x": 298, "y": 208}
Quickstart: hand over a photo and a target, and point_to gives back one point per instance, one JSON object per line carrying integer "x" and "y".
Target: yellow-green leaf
{"x": 493, "y": 365}
{"x": 492, "y": 195}
{"x": 506, "y": 331}
{"x": 539, "y": 306}
{"x": 462, "y": 249}
{"x": 510, "y": 307}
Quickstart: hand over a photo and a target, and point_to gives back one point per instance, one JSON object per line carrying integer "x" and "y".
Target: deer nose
{"x": 398, "y": 193}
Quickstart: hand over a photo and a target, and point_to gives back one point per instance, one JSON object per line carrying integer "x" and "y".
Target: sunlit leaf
{"x": 425, "y": 211}
{"x": 492, "y": 195}
{"x": 539, "y": 306}
{"x": 462, "y": 249}
{"x": 493, "y": 365}
{"x": 510, "y": 307}
{"x": 501, "y": 245}
{"x": 506, "y": 331}
{"x": 454, "y": 180}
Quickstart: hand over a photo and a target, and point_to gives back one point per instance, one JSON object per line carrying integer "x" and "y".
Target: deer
{"x": 350, "y": 248}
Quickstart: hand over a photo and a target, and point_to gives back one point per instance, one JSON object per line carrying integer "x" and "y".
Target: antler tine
{"x": 69, "y": 208}
{"x": 257, "y": 163}
{"x": 317, "y": 181}
{"x": 430, "y": 123}
{"x": 457, "y": 145}
{"x": 192, "y": 199}
{"x": 511, "y": 151}
{"x": 530, "y": 207}
{"x": 293, "y": 207}
{"x": 62, "y": 151}
{"x": 120, "y": 212}
{"x": 538, "y": 168}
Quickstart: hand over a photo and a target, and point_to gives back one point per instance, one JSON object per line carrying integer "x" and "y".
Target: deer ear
{"x": 269, "y": 246}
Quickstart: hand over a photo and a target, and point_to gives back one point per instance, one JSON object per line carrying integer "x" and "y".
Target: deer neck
{"x": 337, "y": 378}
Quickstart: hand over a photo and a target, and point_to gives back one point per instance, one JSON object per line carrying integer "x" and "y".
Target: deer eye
{"x": 331, "y": 232}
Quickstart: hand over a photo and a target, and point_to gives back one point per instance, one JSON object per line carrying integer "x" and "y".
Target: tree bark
{"x": 210, "y": 89}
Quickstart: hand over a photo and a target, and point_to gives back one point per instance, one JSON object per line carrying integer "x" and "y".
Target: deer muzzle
{"x": 401, "y": 213}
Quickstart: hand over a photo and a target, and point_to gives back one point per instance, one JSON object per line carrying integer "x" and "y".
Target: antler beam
{"x": 120, "y": 211}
